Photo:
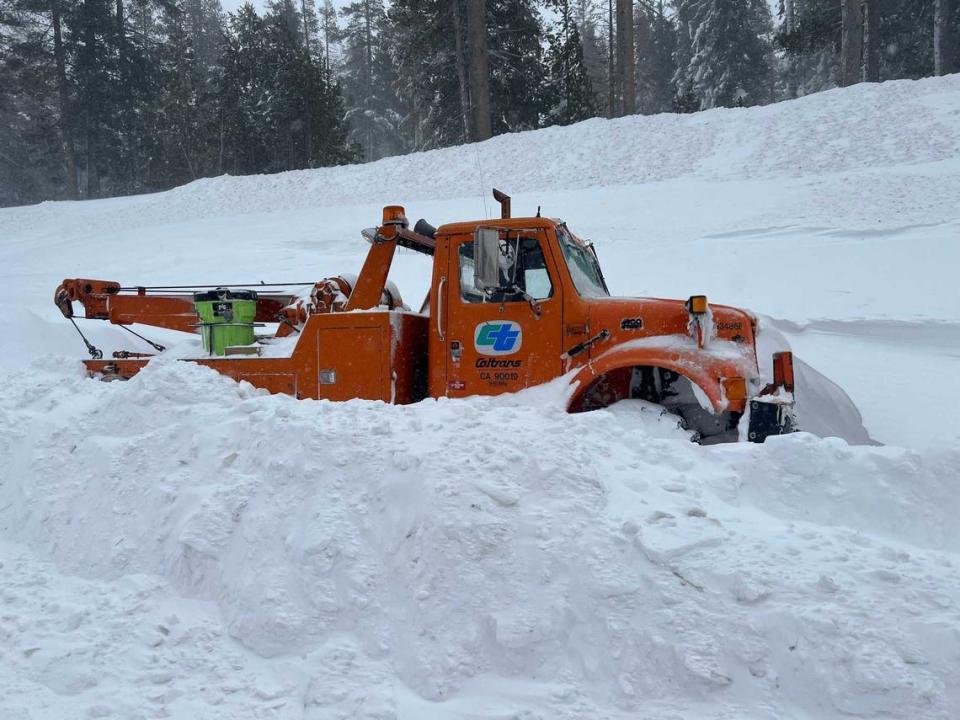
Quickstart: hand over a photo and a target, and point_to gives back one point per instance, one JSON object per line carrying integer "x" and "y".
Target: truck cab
{"x": 517, "y": 302}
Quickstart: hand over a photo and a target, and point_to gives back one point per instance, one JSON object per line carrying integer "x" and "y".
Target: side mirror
{"x": 486, "y": 259}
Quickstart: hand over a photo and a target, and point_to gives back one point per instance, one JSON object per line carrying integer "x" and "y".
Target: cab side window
{"x": 523, "y": 271}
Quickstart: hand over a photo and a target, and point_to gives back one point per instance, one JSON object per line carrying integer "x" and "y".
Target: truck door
{"x": 507, "y": 340}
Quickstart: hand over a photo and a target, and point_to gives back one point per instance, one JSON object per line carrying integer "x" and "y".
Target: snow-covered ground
{"x": 181, "y": 546}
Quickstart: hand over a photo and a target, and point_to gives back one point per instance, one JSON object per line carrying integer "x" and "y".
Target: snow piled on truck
{"x": 184, "y": 546}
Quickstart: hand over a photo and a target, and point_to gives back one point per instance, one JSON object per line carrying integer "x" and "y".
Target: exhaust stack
{"x": 504, "y": 200}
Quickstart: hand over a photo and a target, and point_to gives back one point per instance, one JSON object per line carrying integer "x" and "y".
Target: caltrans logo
{"x": 498, "y": 338}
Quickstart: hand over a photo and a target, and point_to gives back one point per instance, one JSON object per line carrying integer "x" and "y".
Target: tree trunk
{"x": 851, "y": 48}
{"x": 121, "y": 35}
{"x": 326, "y": 39}
{"x": 791, "y": 59}
{"x": 416, "y": 138}
{"x": 942, "y": 38}
{"x": 871, "y": 41}
{"x": 308, "y": 96}
{"x": 626, "y": 71}
{"x": 90, "y": 111}
{"x": 479, "y": 67}
{"x": 308, "y": 128}
{"x": 186, "y": 157}
{"x": 66, "y": 132}
{"x": 611, "y": 74}
{"x": 220, "y": 145}
{"x": 462, "y": 77}
{"x": 306, "y": 28}
{"x": 368, "y": 73}
{"x": 128, "y": 125}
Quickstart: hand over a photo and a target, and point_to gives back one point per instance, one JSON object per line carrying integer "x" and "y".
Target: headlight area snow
{"x": 180, "y": 545}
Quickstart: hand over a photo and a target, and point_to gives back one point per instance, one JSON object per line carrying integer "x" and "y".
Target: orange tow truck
{"x": 514, "y": 302}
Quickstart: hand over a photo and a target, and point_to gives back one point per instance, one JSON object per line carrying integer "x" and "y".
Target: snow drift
{"x": 181, "y": 545}
{"x": 421, "y": 561}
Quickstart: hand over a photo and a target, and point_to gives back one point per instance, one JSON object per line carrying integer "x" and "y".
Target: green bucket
{"x": 226, "y": 318}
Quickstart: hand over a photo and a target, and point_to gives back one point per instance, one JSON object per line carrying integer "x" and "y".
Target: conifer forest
{"x": 100, "y": 98}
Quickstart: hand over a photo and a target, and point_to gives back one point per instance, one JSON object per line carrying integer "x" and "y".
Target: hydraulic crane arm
{"x": 171, "y": 308}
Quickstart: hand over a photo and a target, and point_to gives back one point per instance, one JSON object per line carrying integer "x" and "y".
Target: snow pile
{"x": 183, "y": 546}
{"x": 484, "y": 558}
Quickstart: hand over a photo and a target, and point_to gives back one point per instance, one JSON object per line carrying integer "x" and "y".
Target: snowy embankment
{"x": 181, "y": 546}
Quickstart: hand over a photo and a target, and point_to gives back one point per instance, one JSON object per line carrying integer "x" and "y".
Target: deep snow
{"x": 183, "y": 546}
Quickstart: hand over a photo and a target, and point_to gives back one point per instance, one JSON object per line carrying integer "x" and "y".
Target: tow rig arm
{"x": 163, "y": 307}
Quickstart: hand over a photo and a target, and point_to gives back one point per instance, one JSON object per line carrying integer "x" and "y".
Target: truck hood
{"x": 730, "y": 330}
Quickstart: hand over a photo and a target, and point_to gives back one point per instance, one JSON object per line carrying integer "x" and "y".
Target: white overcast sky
{"x": 260, "y": 4}
{"x": 234, "y": 4}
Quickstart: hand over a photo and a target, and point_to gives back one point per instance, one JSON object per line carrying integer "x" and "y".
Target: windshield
{"x": 583, "y": 265}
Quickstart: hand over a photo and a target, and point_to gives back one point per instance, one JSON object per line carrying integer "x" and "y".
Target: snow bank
{"x": 448, "y": 551}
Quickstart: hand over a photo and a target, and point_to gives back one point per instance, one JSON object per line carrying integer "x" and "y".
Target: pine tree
{"x": 139, "y": 86}
{"x": 809, "y": 36}
{"x": 944, "y": 39}
{"x": 656, "y": 49}
{"x": 433, "y": 76}
{"x": 280, "y": 108}
{"x": 329, "y": 35}
{"x": 32, "y": 118}
{"x": 310, "y": 29}
{"x": 369, "y": 81}
{"x": 424, "y": 52}
{"x": 851, "y": 42}
{"x": 331, "y": 143}
{"x": 906, "y": 30}
{"x": 180, "y": 145}
{"x": 89, "y": 39}
{"x": 517, "y": 76}
{"x": 730, "y": 52}
{"x": 288, "y": 121}
{"x": 626, "y": 60}
{"x": 570, "y": 94}
{"x": 685, "y": 98}
{"x": 590, "y": 25}
{"x": 244, "y": 93}
{"x": 478, "y": 73}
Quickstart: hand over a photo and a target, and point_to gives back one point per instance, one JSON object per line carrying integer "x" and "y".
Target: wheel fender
{"x": 699, "y": 368}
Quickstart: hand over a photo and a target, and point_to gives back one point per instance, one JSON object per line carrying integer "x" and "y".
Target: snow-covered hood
{"x": 630, "y": 319}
